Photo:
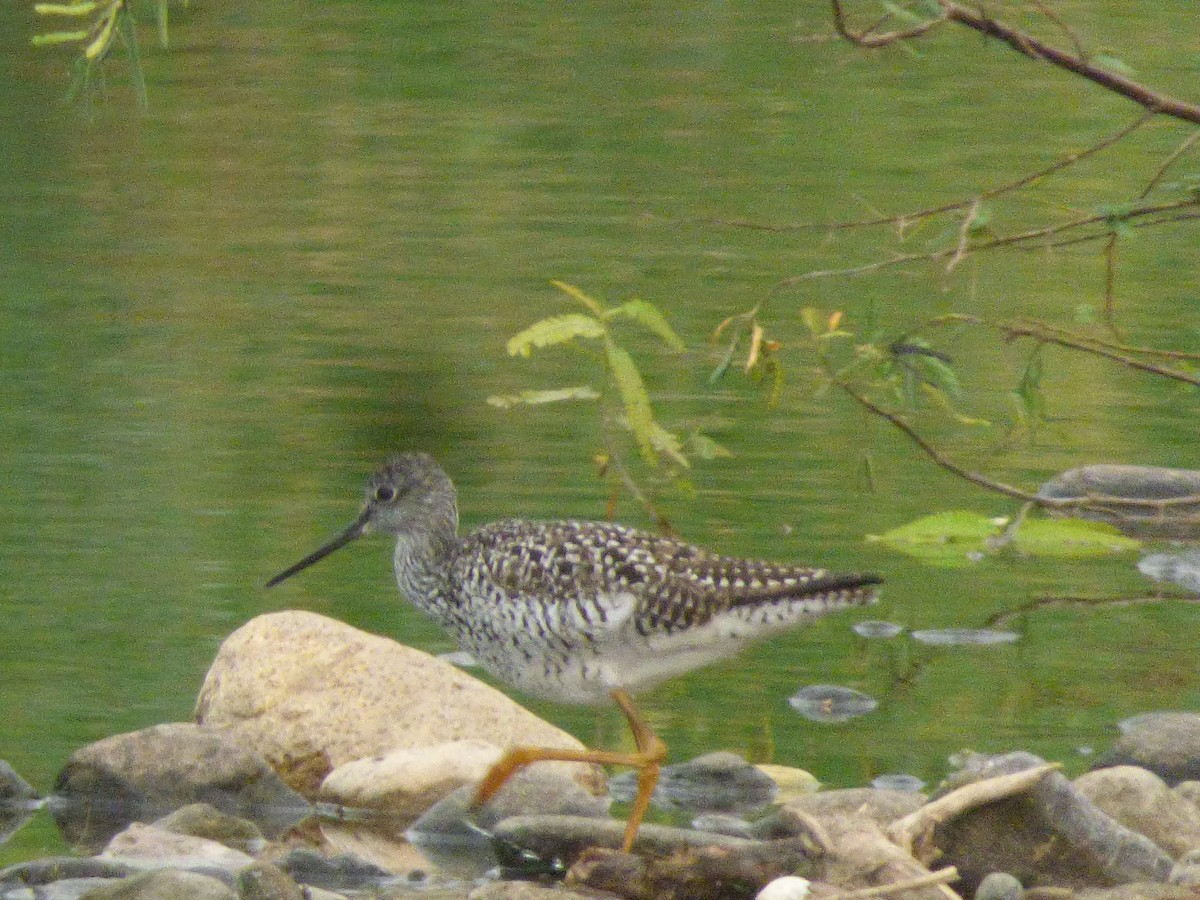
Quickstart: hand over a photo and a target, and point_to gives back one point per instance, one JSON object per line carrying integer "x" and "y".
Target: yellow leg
{"x": 651, "y": 752}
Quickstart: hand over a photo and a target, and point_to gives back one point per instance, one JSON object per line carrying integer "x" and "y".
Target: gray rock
{"x": 1189, "y": 791}
{"x": 57, "y": 868}
{"x": 999, "y": 886}
{"x": 264, "y": 881}
{"x": 1178, "y": 520}
{"x": 715, "y": 782}
{"x": 1166, "y": 743}
{"x": 335, "y": 873}
{"x": 1140, "y": 800}
{"x": 1187, "y": 870}
{"x": 303, "y": 689}
{"x": 144, "y": 775}
{"x": 459, "y": 839}
{"x": 204, "y": 821}
{"x": 565, "y": 837}
{"x": 148, "y": 846}
{"x": 1052, "y": 835}
{"x": 163, "y": 884}
{"x": 1139, "y": 890}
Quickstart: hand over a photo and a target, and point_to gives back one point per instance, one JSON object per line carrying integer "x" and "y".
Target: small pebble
{"x": 999, "y": 886}
{"x": 789, "y": 887}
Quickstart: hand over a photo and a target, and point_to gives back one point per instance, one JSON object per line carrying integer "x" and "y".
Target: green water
{"x": 219, "y": 315}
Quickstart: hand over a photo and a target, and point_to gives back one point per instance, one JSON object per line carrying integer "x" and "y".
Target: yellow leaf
{"x": 65, "y": 9}
{"x": 648, "y": 314}
{"x": 756, "y": 340}
{"x": 571, "y": 291}
{"x": 835, "y": 319}
{"x": 554, "y": 330}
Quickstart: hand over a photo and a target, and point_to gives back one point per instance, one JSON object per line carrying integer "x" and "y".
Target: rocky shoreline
{"x": 325, "y": 762}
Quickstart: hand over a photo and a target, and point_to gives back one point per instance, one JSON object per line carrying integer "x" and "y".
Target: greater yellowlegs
{"x": 580, "y": 612}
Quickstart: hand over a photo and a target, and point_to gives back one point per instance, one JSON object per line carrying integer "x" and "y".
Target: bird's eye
{"x": 384, "y": 493}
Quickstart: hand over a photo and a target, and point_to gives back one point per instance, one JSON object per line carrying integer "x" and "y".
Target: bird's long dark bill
{"x": 356, "y": 530}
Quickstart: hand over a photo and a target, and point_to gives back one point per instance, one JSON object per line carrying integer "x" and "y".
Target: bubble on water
{"x": 873, "y": 628}
{"x": 831, "y": 703}
{"x": 945, "y": 637}
{"x": 898, "y": 781}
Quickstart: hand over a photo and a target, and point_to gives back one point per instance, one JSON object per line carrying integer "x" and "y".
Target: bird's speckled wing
{"x": 606, "y": 575}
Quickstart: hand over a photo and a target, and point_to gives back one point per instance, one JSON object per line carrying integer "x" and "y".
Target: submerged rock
{"x": 715, "y": 782}
{"x": 310, "y": 694}
{"x": 1106, "y": 485}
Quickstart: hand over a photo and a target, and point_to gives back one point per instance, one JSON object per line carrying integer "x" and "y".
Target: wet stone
{"x": 1178, "y": 520}
{"x": 163, "y": 884}
{"x": 204, "y": 821}
{"x": 715, "y": 782}
{"x": 263, "y": 881}
{"x": 144, "y": 775}
{"x": 831, "y": 703}
{"x": 723, "y": 823}
{"x": 335, "y": 873}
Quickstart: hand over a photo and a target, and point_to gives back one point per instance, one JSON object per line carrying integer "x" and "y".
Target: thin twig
{"x": 941, "y": 876}
{"x": 1027, "y": 45}
{"x": 903, "y": 219}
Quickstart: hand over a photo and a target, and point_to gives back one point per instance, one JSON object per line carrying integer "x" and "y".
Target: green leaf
{"x": 576, "y": 294}
{"x": 554, "y": 330}
{"x": 726, "y": 361}
{"x": 57, "y": 37}
{"x": 162, "y": 18}
{"x": 535, "y": 398}
{"x": 647, "y": 314}
{"x": 668, "y": 444}
{"x": 634, "y": 398}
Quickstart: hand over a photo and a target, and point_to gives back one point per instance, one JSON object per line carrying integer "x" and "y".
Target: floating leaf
{"x": 1072, "y": 538}
{"x": 575, "y": 293}
{"x": 812, "y": 321}
{"x": 647, "y": 314}
{"x": 554, "y": 330}
{"x": 634, "y": 398}
{"x": 534, "y": 398}
{"x": 959, "y": 537}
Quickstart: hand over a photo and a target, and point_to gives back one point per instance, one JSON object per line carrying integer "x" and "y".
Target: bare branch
{"x": 866, "y": 39}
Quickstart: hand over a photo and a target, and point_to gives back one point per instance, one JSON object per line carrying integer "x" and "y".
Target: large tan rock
{"x": 299, "y": 687}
